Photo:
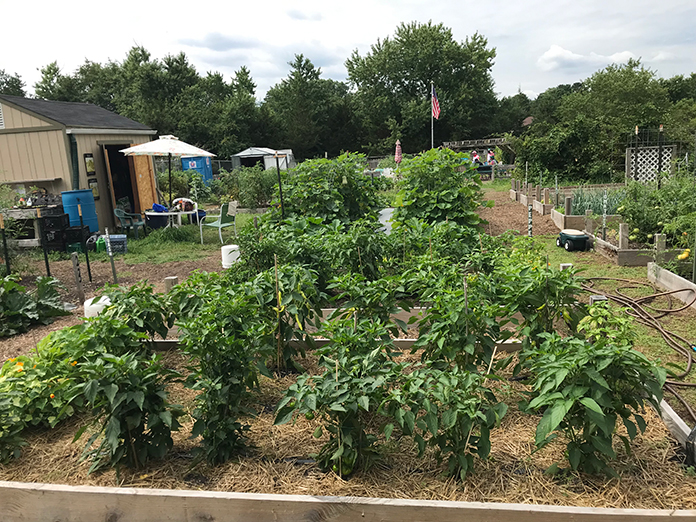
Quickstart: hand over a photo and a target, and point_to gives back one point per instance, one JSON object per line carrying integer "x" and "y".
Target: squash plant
{"x": 583, "y": 388}
{"x": 20, "y": 309}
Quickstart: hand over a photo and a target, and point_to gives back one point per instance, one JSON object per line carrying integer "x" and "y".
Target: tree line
{"x": 577, "y": 131}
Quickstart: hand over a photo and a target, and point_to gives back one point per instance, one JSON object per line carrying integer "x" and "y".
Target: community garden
{"x": 437, "y": 362}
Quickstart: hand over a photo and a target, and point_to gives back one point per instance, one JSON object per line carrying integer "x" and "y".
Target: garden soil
{"x": 128, "y": 274}
{"x": 510, "y": 215}
{"x": 279, "y": 461}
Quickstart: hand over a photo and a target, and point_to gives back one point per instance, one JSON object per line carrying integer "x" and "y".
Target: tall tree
{"x": 307, "y": 109}
{"x": 11, "y": 84}
{"x": 392, "y": 87}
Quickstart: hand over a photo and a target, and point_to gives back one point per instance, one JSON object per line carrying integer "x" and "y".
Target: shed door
{"x": 144, "y": 181}
{"x": 109, "y": 177}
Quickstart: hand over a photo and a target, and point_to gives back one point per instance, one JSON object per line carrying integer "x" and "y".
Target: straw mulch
{"x": 278, "y": 462}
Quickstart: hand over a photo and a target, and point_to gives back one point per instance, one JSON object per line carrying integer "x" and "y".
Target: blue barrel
{"x": 72, "y": 198}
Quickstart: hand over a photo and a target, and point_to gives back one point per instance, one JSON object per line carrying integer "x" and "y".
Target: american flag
{"x": 436, "y": 105}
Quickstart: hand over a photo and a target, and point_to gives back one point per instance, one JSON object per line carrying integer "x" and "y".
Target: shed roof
{"x": 74, "y": 114}
{"x": 255, "y": 151}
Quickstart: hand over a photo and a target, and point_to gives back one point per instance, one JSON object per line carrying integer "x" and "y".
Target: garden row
{"x": 238, "y": 326}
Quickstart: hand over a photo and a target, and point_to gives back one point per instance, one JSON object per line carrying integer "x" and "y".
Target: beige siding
{"x": 87, "y": 143}
{"x": 33, "y": 156}
{"x": 16, "y": 119}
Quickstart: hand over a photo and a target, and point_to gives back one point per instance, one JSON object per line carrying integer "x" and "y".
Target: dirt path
{"x": 128, "y": 274}
{"x": 510, "y": 215}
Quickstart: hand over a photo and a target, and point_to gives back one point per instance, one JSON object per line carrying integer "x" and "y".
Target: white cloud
{"x": 559, "y": 58}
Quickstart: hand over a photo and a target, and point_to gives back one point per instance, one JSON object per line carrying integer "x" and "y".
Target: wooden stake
{"x": 43, "y": 241}
{"x": 78, "y": 276}
{"x": 279, "y": 354}
{"x": 6, "y": 251}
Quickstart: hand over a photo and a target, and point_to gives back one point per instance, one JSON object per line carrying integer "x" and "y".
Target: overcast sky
{"x": 539, "y": 43}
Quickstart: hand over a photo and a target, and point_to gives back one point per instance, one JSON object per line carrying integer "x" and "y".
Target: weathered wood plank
{"x": 58, "y": 503}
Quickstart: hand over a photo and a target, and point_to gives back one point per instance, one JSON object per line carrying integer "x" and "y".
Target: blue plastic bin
{"x": 194, "y": 219}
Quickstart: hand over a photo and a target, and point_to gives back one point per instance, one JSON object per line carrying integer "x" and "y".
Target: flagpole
{"x": 432, "y": 139}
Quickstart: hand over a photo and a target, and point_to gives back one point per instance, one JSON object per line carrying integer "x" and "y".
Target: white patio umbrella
{"x": 166, "y": 146}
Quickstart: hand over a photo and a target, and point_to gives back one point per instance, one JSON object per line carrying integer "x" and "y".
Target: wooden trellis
{"x": 645, "y": 168}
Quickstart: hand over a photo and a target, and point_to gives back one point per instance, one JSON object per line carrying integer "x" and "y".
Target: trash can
{"x": 194, "y": 219}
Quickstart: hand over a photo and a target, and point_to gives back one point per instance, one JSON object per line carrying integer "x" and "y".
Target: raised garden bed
{"x": 670, "y": 281}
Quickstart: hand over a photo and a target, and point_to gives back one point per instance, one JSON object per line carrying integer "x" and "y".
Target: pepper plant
{"x": 451, "y": 410}
{"x": 583, "y": 388}
{"x": 358, "y": 372}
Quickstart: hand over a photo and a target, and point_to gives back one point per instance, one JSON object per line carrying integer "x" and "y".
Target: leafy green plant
{"x": 359, "y": 372}
{"x": 450, "y": 410}
{"x": 583, "y": 388}
{"x": 437, "y": 186}
{"x": 20, "y": 309}
{"x": 329, "y": 189}
{"x": 288, "y": 299}
{"x": 128, "y": 398}
{"x": 228, "y": 342}
{"x": 140, "y": 308}
{"x": 585, "y": 199}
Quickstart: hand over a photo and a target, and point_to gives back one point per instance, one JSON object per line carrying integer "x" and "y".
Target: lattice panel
{"x": 646, "y": 167}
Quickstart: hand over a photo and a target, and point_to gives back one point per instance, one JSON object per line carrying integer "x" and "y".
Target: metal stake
{"x": 110, "y": 253}
{"x": 529, "y": 220}
{"x": 604, "y": 216}
{"x": 280, "y": 188}
{"x": 659, "y": 158}
{"x": 83, "y": 241}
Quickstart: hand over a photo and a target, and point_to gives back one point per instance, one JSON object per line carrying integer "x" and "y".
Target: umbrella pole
{"x": 170, "y": 179}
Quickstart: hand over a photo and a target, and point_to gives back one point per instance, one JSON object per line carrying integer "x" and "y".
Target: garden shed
{"x": 266, "y": 157}
{"x": 61, "y": 146}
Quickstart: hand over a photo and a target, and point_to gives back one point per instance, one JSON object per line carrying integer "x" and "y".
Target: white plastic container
{"x": 95, "y": 305}
{"x": 230, "y": 255}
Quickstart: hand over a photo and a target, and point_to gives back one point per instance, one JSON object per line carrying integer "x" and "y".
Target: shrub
{"x": 228, "y": 340}
{"x": 358, "y": 374}
{"x": 256, "y": 186}
{"x": 129, "y": 401}
{"x": 329, "y": 189}
{"x": 450, "y": 410}
{"x": 435, "y": 187}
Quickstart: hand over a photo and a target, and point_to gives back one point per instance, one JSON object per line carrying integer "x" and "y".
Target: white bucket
{"x": 95, "y": 305}
{"x": 230, "y": 255}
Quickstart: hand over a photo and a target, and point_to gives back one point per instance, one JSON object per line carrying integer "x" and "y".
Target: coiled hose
{"x": 650, "y": 316}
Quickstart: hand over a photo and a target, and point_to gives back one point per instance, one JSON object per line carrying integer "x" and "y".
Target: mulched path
{"x": 510, "y": 215}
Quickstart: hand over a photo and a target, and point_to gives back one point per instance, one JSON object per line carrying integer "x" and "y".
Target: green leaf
{"x": 431, "y": 421}
{"x": 388, "y": 429}
{"x": 311, "y": 401}
{"x": 641, "y": 422}
{"x": 603, "y": 446}
{"x": 552, "y": 469}
{"x": 592, "y": 405}
{"x": 91, "y": 389}
{"x": 284, "y": 416}
{"x": 364, "y": 402}
{"x": 574, "y": 454}
{"x": 484, "y": 443}
{"x": 110, "y": 390}
{"x": 550, "y": 421}
{"x": 449, "y": 418}
{"x": 630, "y": 428}
{"x": 139, "y": 398}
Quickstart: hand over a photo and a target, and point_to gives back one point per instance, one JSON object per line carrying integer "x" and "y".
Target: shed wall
{"x": 15, "y": 119}
{"x": 27, "y": 156}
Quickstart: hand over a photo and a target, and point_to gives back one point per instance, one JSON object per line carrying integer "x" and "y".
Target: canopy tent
{"x": 264, "y": 156}
{"x": 166, "y": 146}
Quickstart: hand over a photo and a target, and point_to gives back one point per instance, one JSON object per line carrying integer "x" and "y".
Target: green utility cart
{"x": 572, "y": 239}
